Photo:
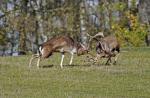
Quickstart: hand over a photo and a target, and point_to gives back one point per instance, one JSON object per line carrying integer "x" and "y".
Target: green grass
{"x": 130, "y": 78}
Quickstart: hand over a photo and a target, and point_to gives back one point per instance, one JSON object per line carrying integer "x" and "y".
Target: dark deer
{"x": 62, "y": 44}
{"x": 106, "y": 48}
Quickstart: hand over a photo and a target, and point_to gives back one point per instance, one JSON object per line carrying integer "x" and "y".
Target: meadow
{"x": 129, "y": 78}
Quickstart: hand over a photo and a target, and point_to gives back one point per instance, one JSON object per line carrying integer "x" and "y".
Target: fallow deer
{"x": 105, "y": 48}
{"x": 62, "y": 44}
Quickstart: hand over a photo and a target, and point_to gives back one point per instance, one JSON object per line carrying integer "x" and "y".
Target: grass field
{"x": 130, "y": 78}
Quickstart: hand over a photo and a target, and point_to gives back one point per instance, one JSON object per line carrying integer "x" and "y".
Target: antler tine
{"x": 89, "y": 35}
{"x": 92, "y": 37}
{"x": 98, "y": 34}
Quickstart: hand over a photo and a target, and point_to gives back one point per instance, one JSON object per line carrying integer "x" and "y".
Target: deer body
{"x": 106, "y": 47}
{"x": 62, "y": 44}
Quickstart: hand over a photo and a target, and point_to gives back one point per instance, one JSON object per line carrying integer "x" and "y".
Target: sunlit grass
{"x": 130, "y": 78}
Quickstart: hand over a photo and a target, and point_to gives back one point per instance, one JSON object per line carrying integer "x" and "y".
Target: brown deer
{"x": 105, "y": 48}
{"x": 62, "y": 44}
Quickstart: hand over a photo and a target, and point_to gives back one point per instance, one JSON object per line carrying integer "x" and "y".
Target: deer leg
{"x": 62, "y": 58}
{"x": 109, "y": 60}
{"x": 71, "y": 58}
{"x": 95, "y": 60}
{"x": 38, "y": 62}
{"x": 116, "y": 58}
{"x": 32, "y": 58}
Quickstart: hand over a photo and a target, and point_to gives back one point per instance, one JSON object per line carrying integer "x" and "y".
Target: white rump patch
{"x": 41, "y": 50}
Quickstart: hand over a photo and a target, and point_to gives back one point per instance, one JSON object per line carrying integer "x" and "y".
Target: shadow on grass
{"x": 74, "y": 65}
{"x": 78, "y": 65}
{"x": 47, "y": 66}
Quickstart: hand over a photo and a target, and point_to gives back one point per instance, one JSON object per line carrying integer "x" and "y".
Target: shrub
{"x": 133, "y": 34}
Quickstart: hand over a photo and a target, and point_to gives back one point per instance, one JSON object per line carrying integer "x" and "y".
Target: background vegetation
{"x": 24, "y": 24}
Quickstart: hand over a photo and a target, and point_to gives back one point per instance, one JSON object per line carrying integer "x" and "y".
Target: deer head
{"x": 81, "y": 49}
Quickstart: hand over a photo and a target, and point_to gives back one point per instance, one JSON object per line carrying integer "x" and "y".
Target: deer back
{"x": 112, "y": 42}
{"x": 61, "y": 43}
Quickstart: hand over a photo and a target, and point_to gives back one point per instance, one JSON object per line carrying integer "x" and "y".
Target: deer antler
{"x": 92, "y": 37}
{"x": 98, "y": 34}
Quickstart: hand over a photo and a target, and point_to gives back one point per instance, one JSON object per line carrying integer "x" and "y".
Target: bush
{"x": 133, "y": 34}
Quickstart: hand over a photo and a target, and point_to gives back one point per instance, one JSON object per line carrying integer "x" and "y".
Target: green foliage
{"x": 3, "y": 37}
{"x": 53, "y": 17}
{"x": 134, "y": 34}
{"x": 123, "y": 22}
{"x": 119, "y": 6}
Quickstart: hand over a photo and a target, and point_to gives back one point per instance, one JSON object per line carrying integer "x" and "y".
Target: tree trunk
{"x": 144, "y": 10}
{"x": 22, "y": 31}
{"x": 83, "y": 23}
